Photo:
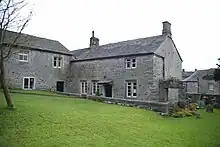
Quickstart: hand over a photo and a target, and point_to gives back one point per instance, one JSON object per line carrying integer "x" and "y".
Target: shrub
{"x": 217, "y": 105}
{"x": 192, "y": 112}
{"x": 187, "y": 112}
{"x": 182, "y": 104}
{"x": 192, "y": 106}
{"x": 181, "y": 114}
{"x": 176, "y": 109}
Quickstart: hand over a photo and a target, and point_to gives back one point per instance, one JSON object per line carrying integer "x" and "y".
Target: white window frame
{"x": 97, "y": 87}
{"x": 55, "y": 59}
{"x": 59, "y": 62}
{"x": 131, "y": 84}
{"x": 23, "y": 54}
{"x": 28, "y": 83}
{"x": 130, "y": 61}
{"x": 211, "y": 84}
{"x": 83, "y": 87}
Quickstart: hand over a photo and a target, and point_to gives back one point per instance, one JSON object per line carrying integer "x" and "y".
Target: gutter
{"x": 117, "y": 56}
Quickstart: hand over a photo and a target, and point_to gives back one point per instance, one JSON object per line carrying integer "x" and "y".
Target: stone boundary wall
{"x": 151, "y": 105}
{"x": 195, "y": 97}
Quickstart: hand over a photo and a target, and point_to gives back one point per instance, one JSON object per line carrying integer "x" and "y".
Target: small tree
{"x": 10, "y": 18}
{"x": 217, "y": 72}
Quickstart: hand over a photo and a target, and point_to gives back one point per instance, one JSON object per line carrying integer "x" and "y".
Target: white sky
{"x": 195, "y": 24}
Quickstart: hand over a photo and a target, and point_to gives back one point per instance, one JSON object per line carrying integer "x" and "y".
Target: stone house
{"x": 129, "y": 69}
{"x": 201, "y": 82}
{"x": 36, "y": 63}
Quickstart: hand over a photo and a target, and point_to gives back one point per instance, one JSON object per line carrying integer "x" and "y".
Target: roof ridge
{"x": 122, "y": 42}
{"x": 133, "y": 40}
{"x": 25, "y": 34}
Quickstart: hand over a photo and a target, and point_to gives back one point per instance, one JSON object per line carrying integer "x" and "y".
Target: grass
{"x": 45, "y": 121}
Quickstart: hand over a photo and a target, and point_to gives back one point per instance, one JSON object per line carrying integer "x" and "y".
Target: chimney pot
{"x": 94, "y": 42}
{"x": 167, "y": 29}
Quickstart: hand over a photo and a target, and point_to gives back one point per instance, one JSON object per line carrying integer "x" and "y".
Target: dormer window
{"x": 131, "y": 63}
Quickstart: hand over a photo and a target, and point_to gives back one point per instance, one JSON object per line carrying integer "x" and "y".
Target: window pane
{"x": 20, "y": 57}
{"x": 94, "y": 88}
{"x": 59, "y": 62}
{"x": 26, "y": 81}
{"x": 134, "y": 60}
{"x": 134, "y": 65}
{"x": 82, "y": 87}
{"x": 55, "y": 62}
{"x": 134, "y": 83}
{"x": 98, "y": 88}
{"x": 85, "y": 87}
{"x": 25, "y": 57}
{"x": 129, "y": 93}
{"x": 134, "y": 94}
{"x": 31, "y": 83}
{"x": 128, "y": 83}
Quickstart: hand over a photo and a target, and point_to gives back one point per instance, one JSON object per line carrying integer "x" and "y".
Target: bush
{"x": 217, "y": 106}
{"x": 182, "y": 104}
{"x": 187, "y": 112}
{"x": 192, "y": 106}
{"x": 181, "y": 114}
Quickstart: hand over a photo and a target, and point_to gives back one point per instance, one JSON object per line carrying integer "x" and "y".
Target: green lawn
{"x": 46, "y": 121}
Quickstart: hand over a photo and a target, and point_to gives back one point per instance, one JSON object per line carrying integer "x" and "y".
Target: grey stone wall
{"x": 157, "y": 75}
{"x": 114, "y": 69}
{"x": 173, "y": 65}
{"x": 192, "y": 87}
{"x": 39, "y": 66}
{"x": 172, "y": 61}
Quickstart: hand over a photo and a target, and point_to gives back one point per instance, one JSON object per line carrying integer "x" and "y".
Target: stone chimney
{"x": 94, "y": 42}
{"x": 167, "y": 29}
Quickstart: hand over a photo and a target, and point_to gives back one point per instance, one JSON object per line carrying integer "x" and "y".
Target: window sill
{"x": 132, "y": 68}
{"x": 23, "y": 61}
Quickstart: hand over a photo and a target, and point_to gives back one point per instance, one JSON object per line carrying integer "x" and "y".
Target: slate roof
{"x": 200, "y": 74}
{"x": 124, "y": 48}
{"x": 33, "y": 42}
{"x": 186, "y": 74}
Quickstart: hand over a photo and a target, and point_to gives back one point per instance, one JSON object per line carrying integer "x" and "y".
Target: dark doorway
{"x": 60, "y": 86}
{"x": 108, "y": 90}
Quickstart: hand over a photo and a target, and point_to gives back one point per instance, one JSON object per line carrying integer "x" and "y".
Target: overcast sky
{"x": 195, "y": 24}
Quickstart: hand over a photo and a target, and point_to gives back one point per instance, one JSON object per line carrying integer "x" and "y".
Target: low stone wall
{"x": 196, "y": 97}
{"x": 151, "y": 105}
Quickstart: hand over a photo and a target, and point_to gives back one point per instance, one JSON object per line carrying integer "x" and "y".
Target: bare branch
{"x": 16, "y": 38}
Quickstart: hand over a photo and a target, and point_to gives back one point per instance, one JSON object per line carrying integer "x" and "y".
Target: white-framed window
{"x": 28, "y": 83}
{"x": 23, "y": 56}
{"x": 131, "y": 88}
{"x": 57, "y": 62}
{"x": 131, "y": 63}
{"x": 211, "y": 86}
{"x": 84, "y": 87}
{"x": 95, "y": 87}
